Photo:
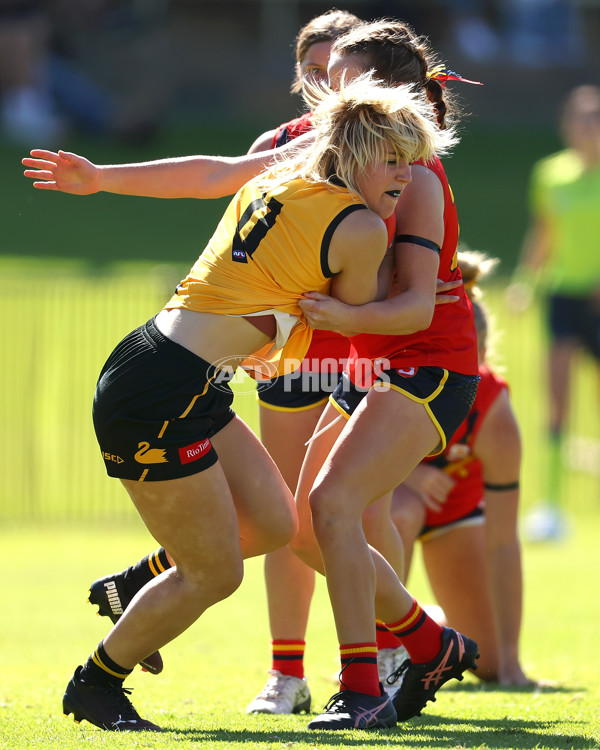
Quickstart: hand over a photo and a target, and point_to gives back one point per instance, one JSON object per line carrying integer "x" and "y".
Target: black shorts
{"x": 155, "y": 409}
{"x": 447, "y": 396}
{"x": 576, "y": 318}
{"x": 347, "y": 396}
{"x": 297, "y": 391}
{"x": 475, "y": 517}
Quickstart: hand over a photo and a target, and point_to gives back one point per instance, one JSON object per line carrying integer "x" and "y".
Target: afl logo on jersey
{"x": 407, "y": 372}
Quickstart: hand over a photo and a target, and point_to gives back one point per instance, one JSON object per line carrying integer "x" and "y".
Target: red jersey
{"x": 328, "y": 350}
{"x": 458, "y": 459}
{"x": 292, "y": 129}
{"x": 450, "y": 341}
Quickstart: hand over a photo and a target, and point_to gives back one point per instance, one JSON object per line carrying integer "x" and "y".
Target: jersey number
{"x": 242, "y": 248}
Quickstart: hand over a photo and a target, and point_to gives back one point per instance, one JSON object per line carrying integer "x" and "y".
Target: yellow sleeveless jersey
{"x": 268, "y": 249}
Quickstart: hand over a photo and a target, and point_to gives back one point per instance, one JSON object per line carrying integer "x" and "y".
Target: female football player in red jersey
{"x": 462, "y": 506}
{"x": 405, "y": 396}
{"x": 313, "y": 45}
{"x": 288, "y": 408}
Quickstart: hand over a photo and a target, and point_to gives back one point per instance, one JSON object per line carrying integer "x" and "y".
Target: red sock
{"x": 359, "y": 668}
{"x": 288, "y": 657}
{"x": 385, "y": 638}
{"x": 419, "y": 633}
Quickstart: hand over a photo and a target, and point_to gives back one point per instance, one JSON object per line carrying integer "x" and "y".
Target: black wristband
{"x": 501, "y": 487}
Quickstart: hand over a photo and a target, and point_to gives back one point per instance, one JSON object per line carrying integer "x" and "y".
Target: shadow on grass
{"x": 420, "y": 732}
{"x": 494, "y": 687}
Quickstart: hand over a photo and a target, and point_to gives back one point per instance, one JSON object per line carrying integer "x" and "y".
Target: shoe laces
{"x": 336, "y": 704}
{"x": 118, "y": 700}
{"x": 397, "y": 674}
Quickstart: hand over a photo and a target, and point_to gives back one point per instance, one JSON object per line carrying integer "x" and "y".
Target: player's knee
{"x": 327, "y": 508}
{"x": 216, "y": 579}
{"x": 403, "y": 522}
{"x": 407, "y": 517}
{"x": 276, "y": 528}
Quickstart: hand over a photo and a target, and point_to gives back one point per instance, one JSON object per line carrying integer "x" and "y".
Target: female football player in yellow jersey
{"x": 289, "y": 409}
{"x": 203, "y": 484}
{"x": 410, "y": 62}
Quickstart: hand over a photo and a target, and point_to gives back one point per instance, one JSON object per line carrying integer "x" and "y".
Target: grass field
{"x": 52, "y": 355}
{"x": 217, "y": 666}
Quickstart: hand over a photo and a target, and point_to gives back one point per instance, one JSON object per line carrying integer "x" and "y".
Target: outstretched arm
{"x": 183, "y": 177}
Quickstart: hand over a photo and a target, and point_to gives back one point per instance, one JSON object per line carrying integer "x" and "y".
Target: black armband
{"x": 501, "y": 487}
{"x": 416, "y": 240}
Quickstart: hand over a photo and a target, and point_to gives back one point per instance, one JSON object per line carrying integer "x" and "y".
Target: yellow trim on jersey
{"x": 338, "y": 407}
{"x": 272, "y": 407}
{"x": 425, "y": 402}
{"x": 456, "y": 467}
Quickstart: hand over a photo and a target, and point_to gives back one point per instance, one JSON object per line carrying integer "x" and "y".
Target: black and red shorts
{"x": 447, "y": 396}
{"x": 156, "y": 407}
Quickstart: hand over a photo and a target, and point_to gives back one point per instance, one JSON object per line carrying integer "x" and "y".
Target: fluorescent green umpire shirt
{"x": 569, "y": 199}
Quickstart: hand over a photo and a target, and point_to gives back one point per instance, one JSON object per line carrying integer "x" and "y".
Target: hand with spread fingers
{"x": 62, "y": 171}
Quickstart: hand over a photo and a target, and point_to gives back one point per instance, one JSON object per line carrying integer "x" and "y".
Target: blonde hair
{"x": 357, "y": 125}
{"x": 474, "y": 266}
{"x": 324, "y": 28}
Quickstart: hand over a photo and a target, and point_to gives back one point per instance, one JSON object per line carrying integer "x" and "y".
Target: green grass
{"x": 219, "y": 664}
{"x": 61, "y": 323}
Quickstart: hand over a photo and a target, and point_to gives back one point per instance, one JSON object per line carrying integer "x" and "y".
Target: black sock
{"x": 100, "y": 669}
{"x": 137, "y": 576}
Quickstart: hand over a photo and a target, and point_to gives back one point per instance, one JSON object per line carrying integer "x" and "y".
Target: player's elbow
{"x": 422, "y": 315}
{"x": 425, "y": 316}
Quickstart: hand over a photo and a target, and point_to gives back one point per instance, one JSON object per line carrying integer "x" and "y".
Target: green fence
{"x": 59, "y": 327}
{"x": 57, "y": 333}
